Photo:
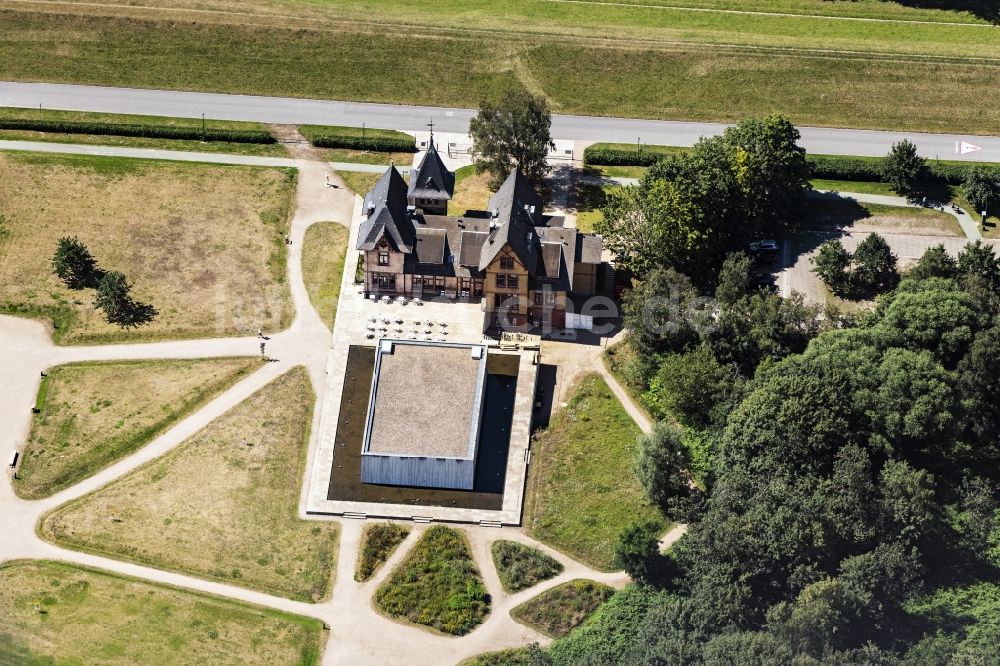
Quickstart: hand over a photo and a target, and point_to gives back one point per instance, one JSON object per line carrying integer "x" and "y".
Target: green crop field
{"x": 900, "y": 67}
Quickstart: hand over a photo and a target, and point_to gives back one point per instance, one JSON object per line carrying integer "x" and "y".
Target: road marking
{"x": 964, "y": 147}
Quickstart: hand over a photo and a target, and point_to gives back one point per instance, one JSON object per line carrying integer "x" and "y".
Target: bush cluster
{"x": 618, "y": 157}
{"x": 520, "y": 566}
{"x": 378, "y": 144}
{"x": 380, "y": 539}
{"x": 139, "y": 130}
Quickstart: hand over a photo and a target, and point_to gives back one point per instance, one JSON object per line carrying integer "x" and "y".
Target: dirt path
{"x": 359, "y": 635}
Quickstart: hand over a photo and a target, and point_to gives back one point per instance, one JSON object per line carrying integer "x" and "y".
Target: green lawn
{"x": 582, "y": 491}
{"x": 323, "y": 253}
{"x": 55, "y": 613}
{"x": 437, "y": 585}
{"x": 358, "y": 182}
{"x": 222, "y": 505}
{"x": 520, "y": 566}
{"x": 558, "y": 611}
{"x": 658, "y": 62}
{"x": 378, "y": 542}
{"x": 274, "y": 149}
{"x": 93, "y": 414}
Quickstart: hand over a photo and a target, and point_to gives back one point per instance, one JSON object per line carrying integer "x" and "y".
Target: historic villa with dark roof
{"x": 521, "y": 264}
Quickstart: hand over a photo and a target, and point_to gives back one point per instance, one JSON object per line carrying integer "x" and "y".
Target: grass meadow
{"x": 913, "y": 69}
{"x": 203, "y": 244}
{"x": 93, "y": 414}
{"x": 582, "y": 491}
{"x": 55, "y": 613}
{"x": 223, "y": 505}
{"x": 323, "y": 252}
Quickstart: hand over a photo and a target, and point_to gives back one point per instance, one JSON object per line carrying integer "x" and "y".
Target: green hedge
{"x": 138, "y": 130}
{"x": 378, "y": 144}
{"x": 599, "y": 156}
{"x": 820, "y": 166}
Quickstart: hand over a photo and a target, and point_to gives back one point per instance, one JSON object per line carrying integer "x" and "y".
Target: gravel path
{"x": 359, "y": 635}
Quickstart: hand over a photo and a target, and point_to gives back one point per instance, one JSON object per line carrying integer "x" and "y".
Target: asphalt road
{"x": 415, "y": 118}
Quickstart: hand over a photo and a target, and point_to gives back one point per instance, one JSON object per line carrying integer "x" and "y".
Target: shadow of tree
{"x": 134, "y": 314}
{"x": 988, "y": 10}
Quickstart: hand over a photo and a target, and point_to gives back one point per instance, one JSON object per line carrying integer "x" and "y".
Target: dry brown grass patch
{"x": 222, "y": 505}
{"x": 203, "y": 244}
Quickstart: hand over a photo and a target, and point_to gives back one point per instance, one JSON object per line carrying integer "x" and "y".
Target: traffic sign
{"x": 964, "y": 147}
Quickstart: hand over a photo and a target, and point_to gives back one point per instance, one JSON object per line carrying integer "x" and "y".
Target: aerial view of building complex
{"x": 534, "y": 333}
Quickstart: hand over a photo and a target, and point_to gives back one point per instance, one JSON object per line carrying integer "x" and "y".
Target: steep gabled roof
{"x": 385, "y": 205}
{"x": 432, "y": 180}
{"x": 516, "y": 209}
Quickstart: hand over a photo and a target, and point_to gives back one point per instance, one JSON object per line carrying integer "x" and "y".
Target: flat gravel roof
{"x": 426, "y": 400}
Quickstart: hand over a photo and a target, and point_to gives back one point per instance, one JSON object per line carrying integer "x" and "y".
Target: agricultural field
{"x": 223, "y": 505}
{"x": 558, "y": 611}
{"x": 911, "y": 68}
{"x": 437, "y": 585}
{"x": 203, "y": 244}
{"x": 323, "y": 253}
{"x": 581, "y": 488}
{"x": 195, "y": 124}
{"x": 54, "y": 613}
{"x": 93, "y": 414}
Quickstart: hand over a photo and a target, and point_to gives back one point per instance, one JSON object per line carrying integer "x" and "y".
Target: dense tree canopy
{"x": 853, "y": 511}
{"x": 904, "y": 169}
{"x": 510, "y": 133}
{"x": 690, "y": 210}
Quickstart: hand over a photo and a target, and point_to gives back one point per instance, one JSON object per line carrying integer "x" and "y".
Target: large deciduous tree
{"x": 903, "y": 168}
{"x": 512, "y": 132}
{"x": 982, "y": 189}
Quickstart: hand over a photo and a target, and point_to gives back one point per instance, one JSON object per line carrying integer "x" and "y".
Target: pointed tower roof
{"x": 385, "y": 206}
{"x": 432, "y": 180}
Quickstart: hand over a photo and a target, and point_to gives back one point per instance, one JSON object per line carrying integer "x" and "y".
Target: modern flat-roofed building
{"x": 424, "y": 414}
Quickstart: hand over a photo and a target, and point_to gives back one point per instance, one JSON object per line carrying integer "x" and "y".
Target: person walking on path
{"x": 262, "y": 348}
{"x": 260, "y": 333}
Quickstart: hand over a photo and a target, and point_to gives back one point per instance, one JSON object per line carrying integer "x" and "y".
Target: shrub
{"x": 378, "y": 144}
{"x": 520, "y": 566}
{"x": 74, "y": 264}
{"x": 378, "y": 542}
{"x": 138, "y": 130}
{"x": 437, "y": 585}
{"x": 618, "y": 157}
{"x": 558, "y": 611}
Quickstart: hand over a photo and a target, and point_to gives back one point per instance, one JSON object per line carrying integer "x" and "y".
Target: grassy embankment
{"x": 817, "y": 64}
{"x": 223, "y": 505}
{"x": 93, "y": 414}
{"x": 203, "y": 244}
{"x": 55, "y": 613}
{"x": 241, "y": 148}
{"x": 582, "y": 491}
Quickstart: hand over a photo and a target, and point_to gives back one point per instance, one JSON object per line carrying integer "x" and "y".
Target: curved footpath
{"x": 358, "y": 634}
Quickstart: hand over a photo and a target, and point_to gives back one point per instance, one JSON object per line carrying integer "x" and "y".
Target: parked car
{"x": 764, "y": 251}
